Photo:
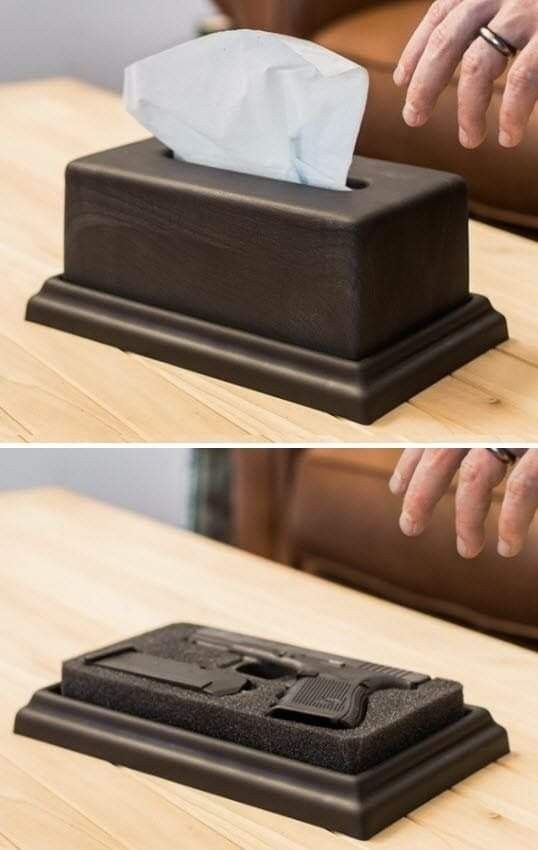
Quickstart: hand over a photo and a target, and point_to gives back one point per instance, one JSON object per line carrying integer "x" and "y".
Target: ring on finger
{"x": 498, "y": 42}
{"x": 504, "y": 455}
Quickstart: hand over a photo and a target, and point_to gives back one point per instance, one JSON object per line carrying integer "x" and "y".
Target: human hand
{"x": 423, "y": 476}
{"x": 448, "y": 34}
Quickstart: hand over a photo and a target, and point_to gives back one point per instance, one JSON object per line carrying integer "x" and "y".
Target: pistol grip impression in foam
{"x": 324, "y": 700}
{"x": 338, "y": 702}
{"x": 305, "y": 733}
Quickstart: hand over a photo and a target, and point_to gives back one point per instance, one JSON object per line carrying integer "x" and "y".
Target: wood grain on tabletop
{"x": 76, "y": 574}
{"x": 57, "y": 387}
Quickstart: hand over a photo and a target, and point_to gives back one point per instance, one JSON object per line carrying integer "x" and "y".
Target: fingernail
{"x": 505, "y": 139}
{"x": 398, "y": 76}
{"x": 409, "y": 526}
{"x": 464, "y": 138}
{"x": 411, "y": 116}
{"x": 396, "y": 484}
{"x": 507, "y": 550}
{"x": 463, "y": 548}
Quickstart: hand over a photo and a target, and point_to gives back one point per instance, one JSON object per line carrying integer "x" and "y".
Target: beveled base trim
{"x": 358, "y": 805}
{"x": 361, "y": 390}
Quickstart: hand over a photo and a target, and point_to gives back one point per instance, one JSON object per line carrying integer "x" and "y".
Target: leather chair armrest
{"x": 293, "y": 17}
{"x": 343, "y": 524}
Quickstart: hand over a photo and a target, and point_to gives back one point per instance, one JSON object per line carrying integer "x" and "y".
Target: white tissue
{"x": 253, "y": 102}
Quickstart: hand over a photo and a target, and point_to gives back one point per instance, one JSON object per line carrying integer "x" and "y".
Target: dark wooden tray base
{"x": 359, "y": 805}
{"x": 361, "y": 390}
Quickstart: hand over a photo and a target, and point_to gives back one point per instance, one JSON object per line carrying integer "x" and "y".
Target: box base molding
{"x": 361, "y": 390}
{"x": 358, "y": 805}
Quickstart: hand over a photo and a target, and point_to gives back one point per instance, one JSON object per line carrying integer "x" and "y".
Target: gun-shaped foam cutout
{"x": 330, "y": 691}
{"x": 316, "y": 689}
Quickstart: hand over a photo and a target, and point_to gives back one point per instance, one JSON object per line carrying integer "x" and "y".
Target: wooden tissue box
{"x": 351, "y": 302}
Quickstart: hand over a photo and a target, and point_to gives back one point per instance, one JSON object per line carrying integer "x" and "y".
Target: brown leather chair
{"x": 503, "y": 183}
{"x": 330, "y": 512}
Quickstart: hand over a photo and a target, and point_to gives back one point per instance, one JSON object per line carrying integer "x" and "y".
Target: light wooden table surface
{"x": 76, "y": 575}
{"x": 55, "y": 387}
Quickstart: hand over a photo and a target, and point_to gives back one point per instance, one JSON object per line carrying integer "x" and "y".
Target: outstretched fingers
{"x": 441, "y": 56}
{"x": 449, "y": 34}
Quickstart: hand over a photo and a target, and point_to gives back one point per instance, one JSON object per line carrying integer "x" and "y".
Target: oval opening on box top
{"x": 357, "y": 183}
{"x": 352, "y": 182}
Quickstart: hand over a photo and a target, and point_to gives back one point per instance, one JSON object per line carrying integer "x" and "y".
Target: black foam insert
{"x": 394, "y": 720}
